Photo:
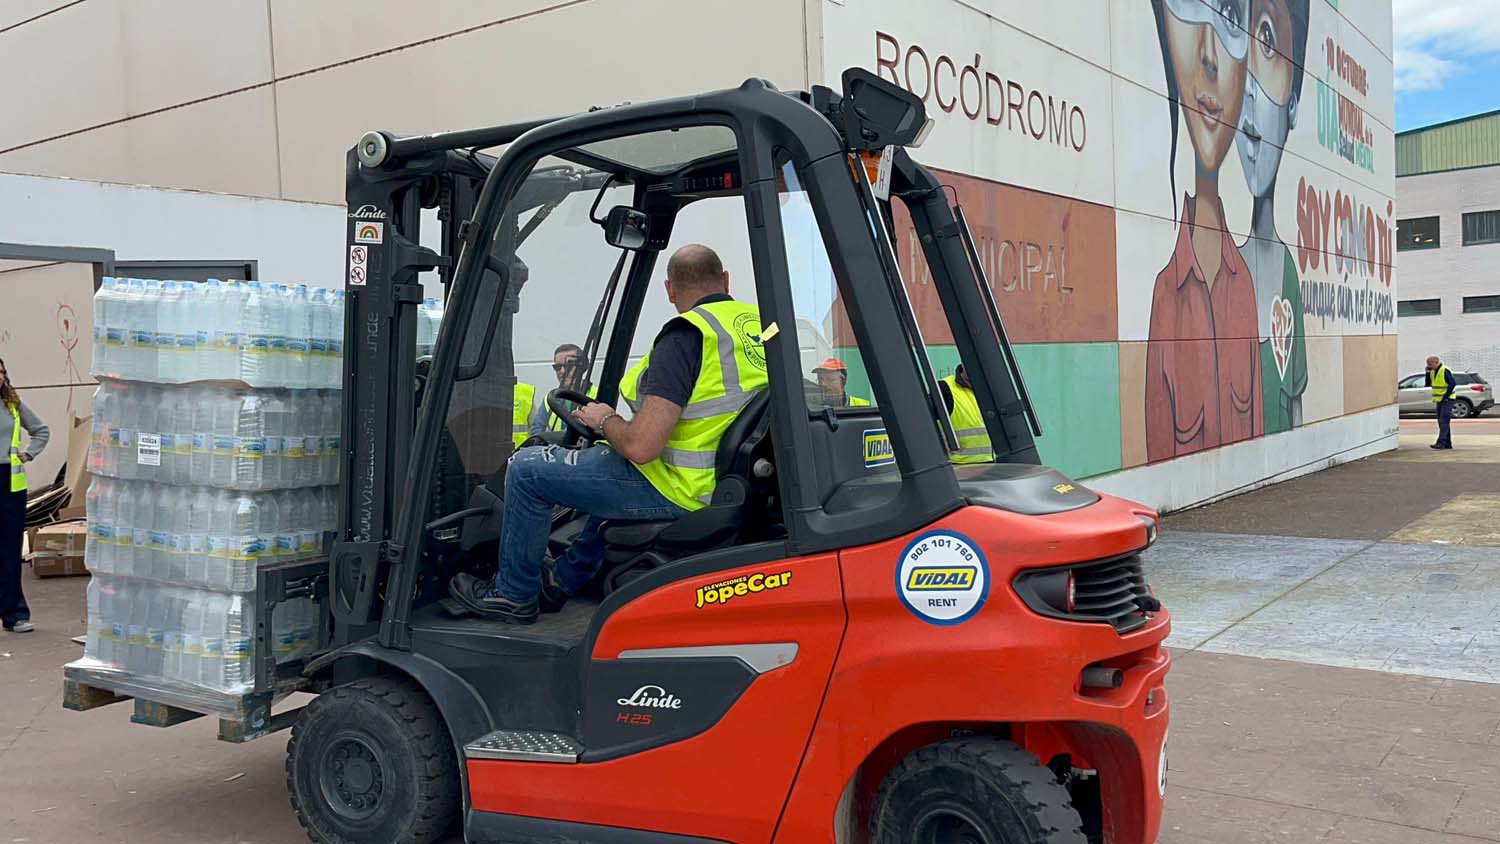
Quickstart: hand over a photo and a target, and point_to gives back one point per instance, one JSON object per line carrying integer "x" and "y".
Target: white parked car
{"x": 1472, "y": 395}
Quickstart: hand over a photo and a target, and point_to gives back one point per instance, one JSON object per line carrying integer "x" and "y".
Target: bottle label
{"x": 273, "y": 446}
{"x": 205, "y": 340}
{"x": 117, "y": 631}
{"x": 213, "y": 647}
{"x": 197, "y": 543}
{"x": 307, "y": 543}
{"x": 168, "y": 442}
{"x": 278, "y": 343}
{"x": 187, "y": 342}
{"x": 253, "y": 448}
{"x": 317, "y": 346}
{"x": 112, "y": 437}
{"x": 200, "y": 443}
{"x": 334, "y": 443}
{"x": 216, "y": 545}
{"x": 294, "y": 448}
{"x": 336, "y": 347}
{"x": 285, "y": 641}
{"x": 248, "y": 549}
{"x": 159, "y": 541}
{"x": 171, "y": 641}
{"x": 312, "y": 446}
{"x": 104, "y": 532}
{"x": 114, "y": 336}
{"x": 138, "y": 537}
{"x": 155, "y": 638}
{"x": 124, "y": 537}
{"x": 296, "y": 345}
{"x": 286, "y": 545}
{"x": 259, "y": 344}
{"x": 232, "y": 341}
{"x": 183, "y": 444}
{"x": 136, "y": 635}
{"x": 141, "y": 337}
{"x": 125, "y": 437}
{"x": 192, "y": 644}
{"x": 223, "y": 446}
{"x": 237, "y": 649}
{"x": 165, "y": 340}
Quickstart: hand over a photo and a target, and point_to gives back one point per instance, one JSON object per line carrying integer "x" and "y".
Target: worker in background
{"x": 968, "y": 422}
{"x": 14, "y": 417}
{"x": 705, "y": 365}
{"x": 1440, "y": 379}
{"x": 833, "y": 378}
{"x": 522, "y": 409}
{"x": 571, "y": 369}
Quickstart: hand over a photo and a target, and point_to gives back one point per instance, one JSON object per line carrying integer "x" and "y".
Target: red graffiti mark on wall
{"x": 67, "y": 335}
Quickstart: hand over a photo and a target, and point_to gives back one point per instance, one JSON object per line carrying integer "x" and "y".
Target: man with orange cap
{"x": 832, "y": 377}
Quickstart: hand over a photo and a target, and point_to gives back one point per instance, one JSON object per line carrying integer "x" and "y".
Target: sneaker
{"x": 21, "y": 627}
{"x": 483, "y": 598}
{"x": 1436, "y": 445}
{"x": 552, "y": 597}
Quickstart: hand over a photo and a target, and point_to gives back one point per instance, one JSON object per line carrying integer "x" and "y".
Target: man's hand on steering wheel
{"x": 561, "y": 402}
{"x": 593, "y": 414}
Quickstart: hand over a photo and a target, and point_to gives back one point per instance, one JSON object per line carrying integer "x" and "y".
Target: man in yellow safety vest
{"x": 703, "y": 368}
{"x": 1440, "y": 379}
{"x": 968, "y": 422}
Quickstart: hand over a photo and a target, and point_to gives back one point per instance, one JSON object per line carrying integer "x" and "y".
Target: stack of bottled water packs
{"x": 216, "y": 451}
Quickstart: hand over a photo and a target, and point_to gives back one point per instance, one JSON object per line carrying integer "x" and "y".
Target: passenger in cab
{"x": 570, "y": 367}
{"x": 703, "y": 368}
{"x": 522, "y": 410}
{"x": 833, "y": 378}
{"x": 968, "y": 422}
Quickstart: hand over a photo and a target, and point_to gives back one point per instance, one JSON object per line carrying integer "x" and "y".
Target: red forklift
{"x": 856, "y": 640}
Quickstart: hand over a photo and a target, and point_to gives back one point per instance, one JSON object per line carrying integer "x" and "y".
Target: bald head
{"x": 694, "y": 271}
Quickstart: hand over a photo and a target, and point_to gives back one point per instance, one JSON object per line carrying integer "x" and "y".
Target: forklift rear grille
{"x": 1111, "y": 591}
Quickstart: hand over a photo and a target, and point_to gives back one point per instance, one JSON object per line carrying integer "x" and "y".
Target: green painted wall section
{"x": 1075, "y": 388}
{"x": 1466, "y": 142}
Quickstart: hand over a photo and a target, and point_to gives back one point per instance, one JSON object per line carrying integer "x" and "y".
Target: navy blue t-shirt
{"x": 677, "y": 358}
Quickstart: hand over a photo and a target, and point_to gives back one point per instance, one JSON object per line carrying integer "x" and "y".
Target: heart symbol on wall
{"x": 1281, "y": 334}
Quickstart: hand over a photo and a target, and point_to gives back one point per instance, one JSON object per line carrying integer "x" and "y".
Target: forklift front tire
{"x": 371, "y": 762}
{"x": 981, "y": 790}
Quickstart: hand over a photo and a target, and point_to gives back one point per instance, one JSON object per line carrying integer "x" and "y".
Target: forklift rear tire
{"x": 973, "y": 791}
{"x": 371, "y": 762}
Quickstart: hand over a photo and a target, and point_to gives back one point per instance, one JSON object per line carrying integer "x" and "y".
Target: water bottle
{"x": 336, "y": 338}
{"x": 280, "y": 302}
{"x": 331, "y": 403}
{"x": 277, "y": 415}
{"x": 163, "y": 500}
{"x": 203, "y": 401}
{"x": 318, "y": 351}
{"x": 309, "y": 509}
{"x": 95, "y": 619}
{"x": 239, "y": 626}
{"x": 200, "y": 516}
{"x": 110, "y": 630}
{"x": 258, "y": 326}
{"x": 211, "y": 655}
{"x": 156, "y": 628}
{"x": 122, "y": 438}
{"x": 191, "y": 630}
{"x": 309, "y": 419}
{"x": 148, "y": 397}
{"x": 299, "y": 337}
{"x": 253, "y": 527}
{"x": 250, "y": 441}
{"x": 286, "y": 526}
{"x": 171, "y": 640}
{"x": 190, "y": 320}
{"x": 92, "y": 523}
{"x": 163, "y": 336}
{"x": 103, "y": 302}
{"x": 183, "y": 413}
{"x": 224, "y": 432}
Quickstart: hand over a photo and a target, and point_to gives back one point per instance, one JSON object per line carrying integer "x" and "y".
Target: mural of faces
{"x": 1206, "y": 42}
{"x": 1270, "y": 109}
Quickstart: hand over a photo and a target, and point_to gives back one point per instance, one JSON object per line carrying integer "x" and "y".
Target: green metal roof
{"x": 1454, "y": 145}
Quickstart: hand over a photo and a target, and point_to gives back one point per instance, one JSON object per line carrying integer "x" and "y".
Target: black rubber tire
{"x": 1462, "y": 409}
{"x": 418, "y": 798}
{"x": 996, "y": 789}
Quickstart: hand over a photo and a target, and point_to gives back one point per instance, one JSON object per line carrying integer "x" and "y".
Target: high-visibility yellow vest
{"x": 523, "y": 403}
{"x": 1440, "y": 378}
{"x": 856, "y": 401}
{"x": 17, "y": 468}
{"x": 968, "y": 425}
{"x": 733, "y": 370}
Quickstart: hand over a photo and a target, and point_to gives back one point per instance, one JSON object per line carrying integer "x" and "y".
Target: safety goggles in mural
{"x": 1229, "y": 18}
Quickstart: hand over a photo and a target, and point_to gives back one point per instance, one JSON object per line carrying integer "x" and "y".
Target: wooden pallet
{"x": 251, "y": 719}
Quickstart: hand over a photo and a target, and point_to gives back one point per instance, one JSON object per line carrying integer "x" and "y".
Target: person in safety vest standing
{"x": 571, "y": 369}
{"x": 1440, "y": 379}
{"x": 15, "y": 416}
{"x": 523, "y": 407}
{"x": 703, "y": 368}
{"x": 833, "y": 377}
{"x": 968, "y": 423}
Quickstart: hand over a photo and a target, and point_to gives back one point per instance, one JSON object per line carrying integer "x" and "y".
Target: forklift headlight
{"x": 1150, "y": 529}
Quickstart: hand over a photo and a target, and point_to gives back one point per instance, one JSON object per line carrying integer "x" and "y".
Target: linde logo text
{"x": 651, "y": 697}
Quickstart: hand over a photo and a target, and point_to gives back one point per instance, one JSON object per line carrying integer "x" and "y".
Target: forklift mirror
{"x": 626, "y": 228}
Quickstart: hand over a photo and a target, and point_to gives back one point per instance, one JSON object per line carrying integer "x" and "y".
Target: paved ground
{"x": 1389, "y": 565}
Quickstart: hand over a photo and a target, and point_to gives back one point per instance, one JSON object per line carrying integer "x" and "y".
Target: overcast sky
{"x": 1447, "y": 60}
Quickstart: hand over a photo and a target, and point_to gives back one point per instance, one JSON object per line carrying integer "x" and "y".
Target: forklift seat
{"x": 633, "y": 548}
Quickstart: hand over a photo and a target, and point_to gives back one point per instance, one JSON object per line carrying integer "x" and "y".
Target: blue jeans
{"x": 594, "y": 480}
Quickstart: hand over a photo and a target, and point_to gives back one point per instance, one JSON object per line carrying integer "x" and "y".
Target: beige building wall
{"x": 263, "y": 97}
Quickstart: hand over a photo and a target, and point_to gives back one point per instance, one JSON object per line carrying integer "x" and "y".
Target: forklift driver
{"x": 703, "y": 368}
{"x": 571, "y": 369}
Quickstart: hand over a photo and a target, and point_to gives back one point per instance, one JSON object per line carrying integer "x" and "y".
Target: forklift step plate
{"x": 525, "y": 746}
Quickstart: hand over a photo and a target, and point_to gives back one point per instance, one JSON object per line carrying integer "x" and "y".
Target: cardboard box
{"x": 57, "y": 549}
{"x": 75, "y": 478}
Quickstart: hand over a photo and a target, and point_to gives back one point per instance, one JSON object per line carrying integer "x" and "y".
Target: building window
{"x": 1419, "y": 307}
{"x": 1481, "y": 304}
{"x": 1481, "y": 227}
{"x": 1417, "y": 233}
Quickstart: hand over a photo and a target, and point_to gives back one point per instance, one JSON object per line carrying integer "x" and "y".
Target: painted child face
{"x": 1270, "y": 110}
{"x": 1208, "y": 42}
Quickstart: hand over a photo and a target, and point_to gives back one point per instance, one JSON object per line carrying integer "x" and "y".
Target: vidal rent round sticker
{"x": 943, "y": 577}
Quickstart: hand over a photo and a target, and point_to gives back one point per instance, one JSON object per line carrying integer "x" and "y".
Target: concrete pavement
{"x": 1367, "y": 727}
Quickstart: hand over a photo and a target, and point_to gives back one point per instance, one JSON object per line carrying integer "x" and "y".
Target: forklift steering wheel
{"x": 558, "y": 402}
